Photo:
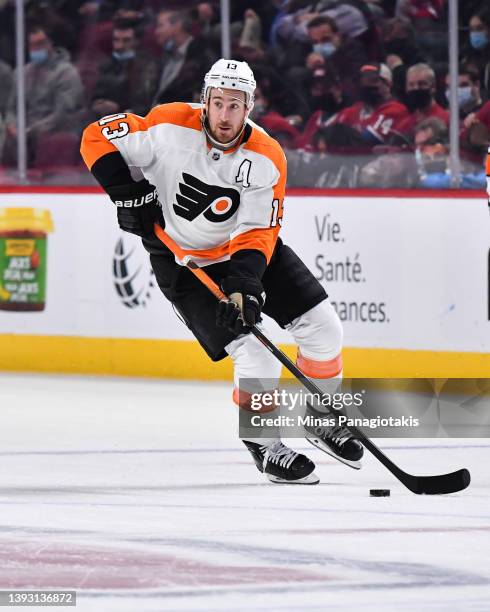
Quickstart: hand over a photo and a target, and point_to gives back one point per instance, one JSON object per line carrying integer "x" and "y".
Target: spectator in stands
{"x": 477, "y": 51}
{"x": 351, "y": 18}
{"x": 398, "y": 38}
{"x": 266, "y": 116}
{"x": 389, "y": 170}
{"x": 343, "y": 54}
{"x": 432, "y": 158}
{"x": 184, "y": 60}
{"x": 475, "y": 135}
{"x": 127, "y": 79}
{"x": 58, "y": 17}
{"x": 479, "y": 122}
{"x": 469, "y": 95}
{"x": 431, "y": 138}
{"x": 430, "y": 25}
{"x": 400, "y": 51}
{"x": 377, "y": 116}
{"x": 327, "y": 165}
{"x": 249, "y": 46}
{"x": 54, "y": 94}
{"x": 419, "y": 98}
{"x": 327, "y": 98}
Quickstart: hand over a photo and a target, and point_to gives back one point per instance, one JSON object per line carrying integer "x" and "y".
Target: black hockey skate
{"x": 258, "y": 453}
{"x": 281, "y": 464}
{"x": 336, "y": 441}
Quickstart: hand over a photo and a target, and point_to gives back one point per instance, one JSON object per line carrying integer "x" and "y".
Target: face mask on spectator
{"x": 326, "y": 49}
{"x": 370, "y": 95}
{"x": 465, "y": 96}
{"x": 39, "y": 56}
{"x": 431, "y": 159}
{"x": 417, "y": 99}
{"x": 123, "y": 56}
{"x": 169, "y": 45}
{"x": 478, "y": 40}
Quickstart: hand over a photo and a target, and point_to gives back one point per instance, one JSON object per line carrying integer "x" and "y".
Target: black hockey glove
{"x": 138, "y": 207}
{"x": 246, "y": 300}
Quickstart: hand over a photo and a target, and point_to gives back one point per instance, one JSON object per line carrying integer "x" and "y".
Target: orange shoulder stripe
{"x": 94, "y": 145}
{"x": 95, "y": 142}
{"x": 265, "y": 145}
{"x": 488, "y": 163}
{"x": 176, "y": 113}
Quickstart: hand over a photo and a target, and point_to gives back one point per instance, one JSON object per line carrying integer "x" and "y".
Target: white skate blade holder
{"x": 311, "y": 479}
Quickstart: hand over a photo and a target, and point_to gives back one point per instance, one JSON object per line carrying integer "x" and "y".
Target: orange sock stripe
{"x": 319, "y": 369}
{"x": 243, "y": 399}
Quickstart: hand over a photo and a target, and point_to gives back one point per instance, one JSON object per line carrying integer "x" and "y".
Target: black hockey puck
{"x": 379, "y": 492}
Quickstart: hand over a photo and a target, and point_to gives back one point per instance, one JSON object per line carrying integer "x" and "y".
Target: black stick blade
{"x": 438, "y": 485}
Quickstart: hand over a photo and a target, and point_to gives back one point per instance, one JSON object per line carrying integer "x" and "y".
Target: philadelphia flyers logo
{"x": 218, "y": 204}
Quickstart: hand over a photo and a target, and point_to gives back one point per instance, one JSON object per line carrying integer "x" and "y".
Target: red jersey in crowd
{"x": 316, "y": 122}
{"x": 483, "y": 115}
{"x": 374, "y": 125}
{"x": 407, "y": 126}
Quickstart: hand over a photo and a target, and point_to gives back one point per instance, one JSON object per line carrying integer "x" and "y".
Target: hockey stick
{"x": 428, "y": 485}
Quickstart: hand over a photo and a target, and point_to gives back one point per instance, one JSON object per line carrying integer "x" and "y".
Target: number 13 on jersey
{"x": 276, "y": 215}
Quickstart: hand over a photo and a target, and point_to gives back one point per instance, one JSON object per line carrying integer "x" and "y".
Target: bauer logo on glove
{"x": 139, "y": 201}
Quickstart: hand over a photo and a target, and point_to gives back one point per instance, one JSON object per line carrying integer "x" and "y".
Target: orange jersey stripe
{"x": 176, "y": 113}
{"x": 488, "y": 164}
{"x": 263, "y": 240}
{"x": 265, "y": 145}
{"x": 262, "y": 143}
{"x": 212, "y": 253}
{"x": 94, "y": 145}
{"x": 96, "y": 137}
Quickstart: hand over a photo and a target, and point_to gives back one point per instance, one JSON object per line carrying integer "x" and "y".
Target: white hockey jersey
{"x": 214, "y": 202}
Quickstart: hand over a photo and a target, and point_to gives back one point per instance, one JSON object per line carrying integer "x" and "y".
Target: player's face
{"x": 226, "y": 111}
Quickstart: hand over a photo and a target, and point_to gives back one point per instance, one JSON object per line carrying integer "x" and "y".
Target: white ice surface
{"x": 139, "y": 495}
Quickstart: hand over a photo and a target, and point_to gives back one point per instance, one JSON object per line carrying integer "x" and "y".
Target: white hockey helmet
{"x": 230, "y": 74}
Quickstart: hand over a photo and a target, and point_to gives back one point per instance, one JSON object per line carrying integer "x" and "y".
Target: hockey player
{"x": 215, "y": 181}
{"x": 488, "y": 175}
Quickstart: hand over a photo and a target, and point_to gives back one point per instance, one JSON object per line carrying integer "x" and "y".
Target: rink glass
{"x": 56, "y": 161}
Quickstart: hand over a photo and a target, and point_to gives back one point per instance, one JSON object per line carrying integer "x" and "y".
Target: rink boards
{"x": 408, "y": 276}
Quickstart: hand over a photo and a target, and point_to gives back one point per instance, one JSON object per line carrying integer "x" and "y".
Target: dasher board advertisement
{"x": 401, "y": 273}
